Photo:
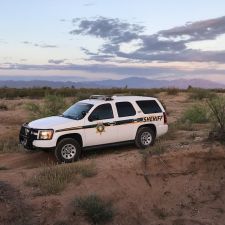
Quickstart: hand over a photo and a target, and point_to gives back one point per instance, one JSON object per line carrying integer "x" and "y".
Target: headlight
{"x": 45, "y": 134}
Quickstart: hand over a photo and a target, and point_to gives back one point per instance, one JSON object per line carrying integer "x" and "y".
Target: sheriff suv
{"x": 97, "y": 121}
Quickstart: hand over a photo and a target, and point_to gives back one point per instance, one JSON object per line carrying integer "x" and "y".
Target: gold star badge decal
{"x": 100, "y": 128}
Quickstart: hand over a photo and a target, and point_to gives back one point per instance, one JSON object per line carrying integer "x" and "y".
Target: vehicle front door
{"x": 99, "y": 126}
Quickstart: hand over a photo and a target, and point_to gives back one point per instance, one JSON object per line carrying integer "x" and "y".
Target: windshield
{"x": 77, "y": 111}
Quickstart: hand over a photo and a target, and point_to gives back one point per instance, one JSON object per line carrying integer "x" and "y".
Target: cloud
{"x": 166, "y": 45}
{"x": 201, "y": 30}
{"x": 107, "y": 28}
{"x": 41, "y": 45}
{"x": 56, "y": 61}
{"x": 89, "y": 4}
{"x": 142, "y": 71}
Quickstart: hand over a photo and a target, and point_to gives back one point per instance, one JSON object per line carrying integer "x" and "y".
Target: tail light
{"x": 165, "y": 117}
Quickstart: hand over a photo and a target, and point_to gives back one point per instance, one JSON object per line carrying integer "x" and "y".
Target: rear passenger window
{"x": 125, "y": 109}
{"x": 149, "y": 106}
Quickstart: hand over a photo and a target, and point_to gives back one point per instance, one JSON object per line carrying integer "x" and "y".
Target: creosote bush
{"x": 200, "y": 94}
{"x": 95, "y": 209}
{"x": 217, "y": 109}
{"x": 52, "y": 105}
{"x": 195, "y": 114}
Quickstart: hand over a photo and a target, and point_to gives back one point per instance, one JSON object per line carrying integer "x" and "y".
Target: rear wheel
{"x": 67, "y": 150}
{"x": 145, "y": 137}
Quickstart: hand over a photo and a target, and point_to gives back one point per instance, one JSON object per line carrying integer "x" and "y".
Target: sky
{"x": 82, "y": 40}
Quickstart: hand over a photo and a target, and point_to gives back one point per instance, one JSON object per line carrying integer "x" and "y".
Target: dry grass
{"x": 54, "y": 178}
{"x": 10, "y": 144}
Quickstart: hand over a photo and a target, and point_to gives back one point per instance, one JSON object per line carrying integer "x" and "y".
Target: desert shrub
{"x": 200, "y": 94}
{"x": 161, "y": 213}
{"x": 195, "y": 114}
{"x": 3, "y": 168}
{"x": 217, "y": 109}
{"x": 95, "y": 209}
{"x": 52, "y": 105}
{"x": 3, "y": 107}
{"x": 157, "y": 149}
{"x": 40, "y": 92}
{"x": 172, "y": 91}
{"x": 53, "y": 179}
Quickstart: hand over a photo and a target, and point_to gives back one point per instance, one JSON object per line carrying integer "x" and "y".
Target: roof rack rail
{"x": 101, "y": 97}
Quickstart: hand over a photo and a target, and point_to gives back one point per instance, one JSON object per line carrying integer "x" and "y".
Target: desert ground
{"x": 182, "y": 184}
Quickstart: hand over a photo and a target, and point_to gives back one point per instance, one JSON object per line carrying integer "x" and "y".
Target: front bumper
{"x": 27, "y": 136}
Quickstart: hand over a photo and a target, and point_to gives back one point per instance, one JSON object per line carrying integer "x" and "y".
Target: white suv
{"x": 97, "y": 121}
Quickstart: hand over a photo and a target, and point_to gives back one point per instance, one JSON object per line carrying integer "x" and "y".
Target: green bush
{"x": 95, "y": 209}
{"x": 195, "y": 114}
{"x": 52, "y": 105}
{"x": 217, "y": 113}
{"x": 200, "y": 94}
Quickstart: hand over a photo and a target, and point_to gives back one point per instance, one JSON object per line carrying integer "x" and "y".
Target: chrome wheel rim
{"x": 68, "y": 151}
{"x": 146, "y": 138}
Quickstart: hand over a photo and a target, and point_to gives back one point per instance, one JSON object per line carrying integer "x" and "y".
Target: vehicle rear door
{"x": 126, "y": 120}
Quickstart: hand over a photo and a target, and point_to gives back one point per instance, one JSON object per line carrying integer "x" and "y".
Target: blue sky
{"x": 94, "y": 40}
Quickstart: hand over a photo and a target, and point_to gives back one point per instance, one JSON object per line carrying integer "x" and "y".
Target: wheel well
{"x": 151, "y": 126}
{"x": 77, "y": 137}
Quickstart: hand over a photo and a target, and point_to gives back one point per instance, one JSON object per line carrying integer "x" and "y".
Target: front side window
{"x": 125, "y": 109}
{"x": 77, "y": 111}
{"x": 149, "y": 106}
{"x": 101, "y": 112}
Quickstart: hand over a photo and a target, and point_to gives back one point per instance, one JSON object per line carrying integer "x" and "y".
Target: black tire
{"x": 140, "y": 141}
{"x": 68, "y": 150}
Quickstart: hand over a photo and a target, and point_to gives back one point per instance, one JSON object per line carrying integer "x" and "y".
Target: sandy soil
{"x": 184, "y": 186}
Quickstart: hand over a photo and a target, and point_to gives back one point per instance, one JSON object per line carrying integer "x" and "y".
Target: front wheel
{"x": 145, "y": 137}
{"x": 67, "y": 150}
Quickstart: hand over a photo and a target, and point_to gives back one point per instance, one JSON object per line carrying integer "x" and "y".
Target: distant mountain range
{"x": 132, "y": 82}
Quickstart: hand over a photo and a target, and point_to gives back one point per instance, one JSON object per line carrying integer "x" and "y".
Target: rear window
{"x": 125, "y": 109}
{"x": 149, "y": 106}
